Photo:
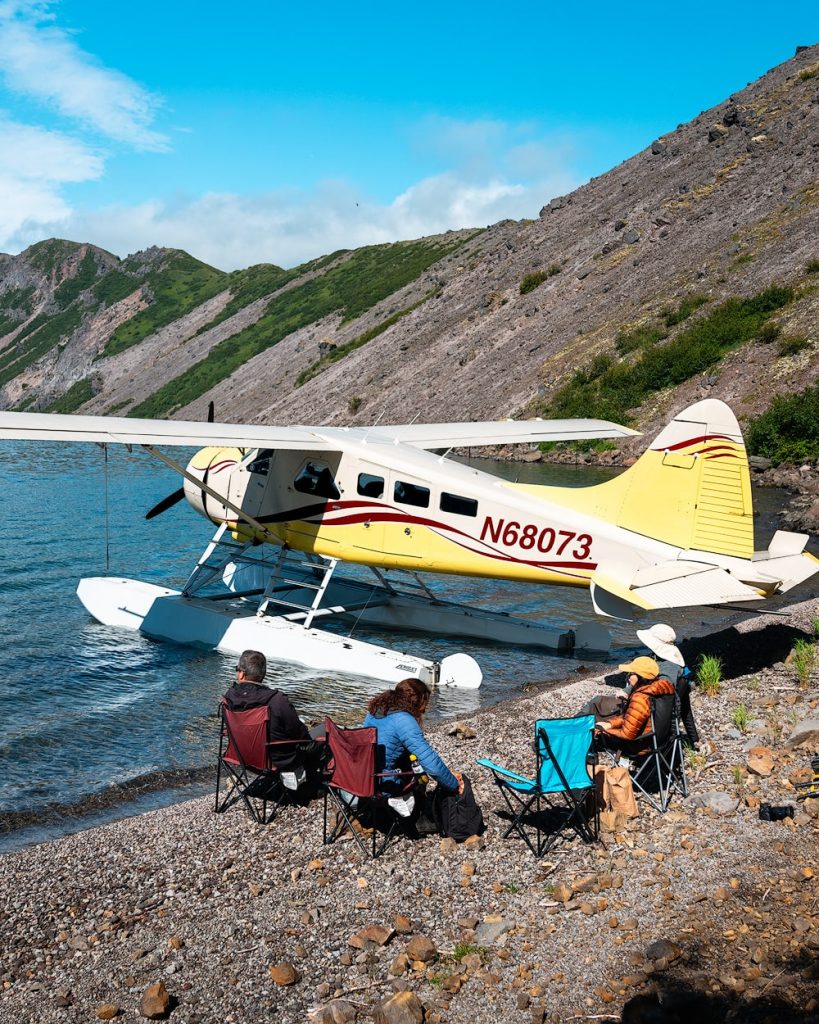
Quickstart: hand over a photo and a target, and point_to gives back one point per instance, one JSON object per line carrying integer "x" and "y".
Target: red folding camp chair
{"x": 352, "y": 783}
{"x": 246, "y": 760}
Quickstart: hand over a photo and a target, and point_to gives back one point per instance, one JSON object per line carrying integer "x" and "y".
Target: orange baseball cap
{"x": 646, "y": 668}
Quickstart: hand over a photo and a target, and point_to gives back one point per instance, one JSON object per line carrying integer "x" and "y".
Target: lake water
{"x": 94, "y": 715}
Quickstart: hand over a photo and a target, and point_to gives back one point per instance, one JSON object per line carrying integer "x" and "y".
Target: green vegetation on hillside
{"x": 687, "y": 306}
{"x": 15, "y": 306}
{"x": 115, "y": 285}
{"x": 247, "y": 286}
{"x": 789, "y": 430}
{"x": 340, "y": 351}
{"x": 71, "y": 287}
{"x": 255, "y": 282}
{"x": 350, "y": 287}
{"x": 178, "y": 285}
{"x": 35, "y": 343}
{"x": 642, "y": 336}
{"x": 78, "y": 394}
{"x": 645, "y": 335}
{"x": 608, "y": 388}
{"x": 537, "y": 277}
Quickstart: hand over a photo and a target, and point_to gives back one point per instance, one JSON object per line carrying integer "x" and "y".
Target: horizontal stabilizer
{"x": 676, "y": 584}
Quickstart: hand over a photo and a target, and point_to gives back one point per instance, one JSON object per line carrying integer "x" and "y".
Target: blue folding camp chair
{"x": 561, "y": 795}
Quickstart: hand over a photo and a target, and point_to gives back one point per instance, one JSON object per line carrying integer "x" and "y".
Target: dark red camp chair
{"x": 246, "y": 755}
{"x": 352, "y": 783}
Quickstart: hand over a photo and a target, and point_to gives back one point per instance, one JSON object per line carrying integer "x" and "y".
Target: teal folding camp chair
{"x": 561, "y": 795}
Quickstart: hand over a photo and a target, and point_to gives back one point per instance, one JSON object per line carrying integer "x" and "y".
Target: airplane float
{"x": 673, "y": 530}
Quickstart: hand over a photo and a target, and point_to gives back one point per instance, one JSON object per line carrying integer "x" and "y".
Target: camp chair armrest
{"x": 486, "y": 763}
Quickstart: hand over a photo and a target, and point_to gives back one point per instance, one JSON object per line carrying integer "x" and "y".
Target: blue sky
{"x": 272, "y": 132}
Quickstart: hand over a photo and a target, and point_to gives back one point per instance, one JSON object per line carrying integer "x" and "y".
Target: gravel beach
{"x": 703, "y": 912}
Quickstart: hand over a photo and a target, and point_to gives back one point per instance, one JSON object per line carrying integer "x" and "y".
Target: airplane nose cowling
{"x": 213, "y": 466}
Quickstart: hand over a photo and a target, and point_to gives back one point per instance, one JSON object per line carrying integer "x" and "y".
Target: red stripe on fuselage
{"x": 387, "y": 514}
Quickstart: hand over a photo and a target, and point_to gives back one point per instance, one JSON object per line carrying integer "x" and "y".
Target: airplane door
{"x": 249, "y": 483}
{"x": 404, "y": 533}
{"x": 367, "y": 505}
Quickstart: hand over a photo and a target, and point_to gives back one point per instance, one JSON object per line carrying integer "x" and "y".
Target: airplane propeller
{"x": 175, "y": 496}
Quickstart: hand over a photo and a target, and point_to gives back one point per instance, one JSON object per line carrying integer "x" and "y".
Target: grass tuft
{"x": 537, "y": 277}
{"x": 740, "y": 717}
{"x": 803, "y": 658}
{"x": 709, "y": 674}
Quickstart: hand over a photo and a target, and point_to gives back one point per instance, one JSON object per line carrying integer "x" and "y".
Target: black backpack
{"x": 458, "y": 817}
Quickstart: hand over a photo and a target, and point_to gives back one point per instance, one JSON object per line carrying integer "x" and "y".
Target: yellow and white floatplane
{"x": 292, "y": 503}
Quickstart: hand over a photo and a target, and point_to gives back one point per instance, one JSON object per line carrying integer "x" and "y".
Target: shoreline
{"x": 208, "y": 904}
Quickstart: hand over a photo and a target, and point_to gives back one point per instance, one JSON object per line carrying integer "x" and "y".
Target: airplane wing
{"x": 472, "y": 435}
{"x": 123, "y": 430}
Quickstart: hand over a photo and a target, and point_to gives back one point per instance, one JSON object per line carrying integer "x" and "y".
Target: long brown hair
{"x": 409, "y": 695}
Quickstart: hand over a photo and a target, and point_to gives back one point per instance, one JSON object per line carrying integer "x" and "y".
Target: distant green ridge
{"x": 44, "y": 256}
{"x": 255, "y": 282}
{"x": 179, "y": 284}
{"x": 350, "y": 286}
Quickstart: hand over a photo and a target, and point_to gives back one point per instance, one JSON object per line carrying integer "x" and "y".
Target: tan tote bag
{"x": 615, "y": 795}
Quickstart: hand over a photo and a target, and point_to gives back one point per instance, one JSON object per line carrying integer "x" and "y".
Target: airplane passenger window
{"x": 316, "y": 478}
{"x": 411, "y": 494}
{"x": 370, "y": 486}
{"x": 460, "y": 506}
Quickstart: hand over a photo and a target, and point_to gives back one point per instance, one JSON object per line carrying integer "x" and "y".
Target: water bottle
{"x": 421, "y": 776}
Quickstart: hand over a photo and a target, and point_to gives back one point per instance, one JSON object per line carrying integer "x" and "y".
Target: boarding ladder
{"x": 282, "y": 589}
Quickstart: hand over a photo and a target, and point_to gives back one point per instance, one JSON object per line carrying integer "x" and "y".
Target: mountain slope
{"x": 630, "y": 273}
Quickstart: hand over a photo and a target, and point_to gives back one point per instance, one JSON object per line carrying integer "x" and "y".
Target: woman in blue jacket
{"x": 397, "y": 716}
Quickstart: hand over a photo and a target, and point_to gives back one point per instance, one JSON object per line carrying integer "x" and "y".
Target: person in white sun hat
{"x": 661, "y": 640}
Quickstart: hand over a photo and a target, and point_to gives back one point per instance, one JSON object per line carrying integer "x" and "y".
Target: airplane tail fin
{"x": 692, "y": 487}
{"x": 691, "y": 490}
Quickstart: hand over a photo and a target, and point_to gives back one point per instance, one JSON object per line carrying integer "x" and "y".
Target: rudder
{"x": 692, "y": 487}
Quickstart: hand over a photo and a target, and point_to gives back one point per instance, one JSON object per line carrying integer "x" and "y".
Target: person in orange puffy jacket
{"x": 635, "y": 720}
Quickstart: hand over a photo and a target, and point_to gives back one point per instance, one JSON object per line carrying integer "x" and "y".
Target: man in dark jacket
{"x": 283, "y": 722}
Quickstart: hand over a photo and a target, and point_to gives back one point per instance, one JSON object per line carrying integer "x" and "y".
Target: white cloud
{"x": 290, "y": 227}
{"x": 40, "y": 60}
{"x": 34, "y": 165}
